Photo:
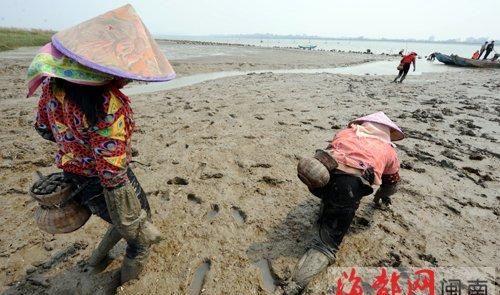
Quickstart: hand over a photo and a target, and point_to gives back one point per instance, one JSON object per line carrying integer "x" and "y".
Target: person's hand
{"x": 386, "y": 201}
{"x": 383, "y": 195}
{"x": 414, "y": 69}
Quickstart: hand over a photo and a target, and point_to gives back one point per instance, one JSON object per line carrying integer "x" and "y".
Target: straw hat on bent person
{"x": 380, "y": 118}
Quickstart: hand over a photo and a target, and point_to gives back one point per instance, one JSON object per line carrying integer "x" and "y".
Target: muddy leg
{"x": 109, "y": 240}
{"x": 333, "y": 224}
{"x": 399, "y": 75}
{"x": 132, "y": 223}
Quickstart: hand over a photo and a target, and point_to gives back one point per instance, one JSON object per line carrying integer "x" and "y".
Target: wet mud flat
{"x": 218, "y": 161}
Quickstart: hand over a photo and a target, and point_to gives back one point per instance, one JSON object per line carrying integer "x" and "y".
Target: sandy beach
{"x": 235, "y": 143}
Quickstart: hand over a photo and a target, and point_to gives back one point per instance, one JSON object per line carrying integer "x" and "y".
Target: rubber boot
{"x": 311, "y": 264}
{"x": 109, "y": 240}
{"x": 132, "y": 267}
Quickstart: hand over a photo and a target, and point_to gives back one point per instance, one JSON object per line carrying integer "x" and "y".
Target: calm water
{"x": 390, "y": 47}
{"x": 371, "y": 68}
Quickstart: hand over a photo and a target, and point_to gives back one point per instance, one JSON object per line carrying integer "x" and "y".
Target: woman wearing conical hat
{"x": 358, "y": 157}
{"x": 83, "y": 110}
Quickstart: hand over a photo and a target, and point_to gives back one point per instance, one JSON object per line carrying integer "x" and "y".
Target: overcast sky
{"x": 443, "y": 19}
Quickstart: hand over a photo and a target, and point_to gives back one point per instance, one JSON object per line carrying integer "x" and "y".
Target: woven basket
{"x": 313, "y": 173}
{"x": 61, "y": 220}
{"x": 59, "y": 194}
{"x": 56, "y": 213}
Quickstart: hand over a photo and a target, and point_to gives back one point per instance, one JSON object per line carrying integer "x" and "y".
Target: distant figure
{"x": 404, "y": 66}
{"x": 476, "y": 55}
{"x": 432, "y": 56}
{"x": 495, "y": 57}
{"x": 489, "y": 49}
{"x": 483, "y": 48}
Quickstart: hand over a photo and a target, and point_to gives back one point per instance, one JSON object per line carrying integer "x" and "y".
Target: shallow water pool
{"x": 370, "y": 68}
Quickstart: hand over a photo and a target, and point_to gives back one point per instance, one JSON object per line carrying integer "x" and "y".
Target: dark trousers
{"x": 486, "y": 54}
{"x": 403, "y": 72}
{"x": 340, "y": 200}
{"x": 92, "y": 197}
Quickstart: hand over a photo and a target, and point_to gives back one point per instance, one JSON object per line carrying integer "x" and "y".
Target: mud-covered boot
{"x": 109, "y": 240}
{"x": 311, "y": 264}
{"x": 132, "y": 267}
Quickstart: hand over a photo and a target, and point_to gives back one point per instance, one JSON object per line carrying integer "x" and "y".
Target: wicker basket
{"x": 62, "y": 220}
{"x": 51, "y": 190}
{"x": 313, "y": 173}
{"x": 57, "y": 213}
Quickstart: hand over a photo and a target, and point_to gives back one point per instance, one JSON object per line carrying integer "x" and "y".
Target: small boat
{"x": 482, "y": 63}
{"x": 446, "y": 59}
{"x": 460, "y": 61}
{"x": 456, "y": 60}
{"x": 308, "y": 47}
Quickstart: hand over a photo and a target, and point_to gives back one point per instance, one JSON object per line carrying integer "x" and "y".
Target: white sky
{"x": 444, "y": 19}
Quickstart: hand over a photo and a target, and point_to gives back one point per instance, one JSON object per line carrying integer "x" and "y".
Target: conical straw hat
{"x": 381, "y": 118}
{"x": 116, "y": 43}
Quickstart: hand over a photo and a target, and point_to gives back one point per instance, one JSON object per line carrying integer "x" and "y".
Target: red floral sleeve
{"x": 110, "y": 140}
{"x": 42, "y": 124}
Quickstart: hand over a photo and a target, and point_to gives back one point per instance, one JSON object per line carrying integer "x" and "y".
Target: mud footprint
{"x": 239, "y": 216}
{"x": 267, "y": 277}
{"x": 213, "y": 212}
{"x": 193, "y": 198}
{"x": 261, "y": 165}
{"x": 199, "y": 275}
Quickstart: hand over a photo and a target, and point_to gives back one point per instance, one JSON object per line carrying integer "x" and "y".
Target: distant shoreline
{"x": 317, "y": 38}
{"x": 215, "y": 43}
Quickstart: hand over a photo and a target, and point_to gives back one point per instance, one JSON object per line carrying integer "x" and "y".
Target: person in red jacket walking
{"x": 404, "y": 66}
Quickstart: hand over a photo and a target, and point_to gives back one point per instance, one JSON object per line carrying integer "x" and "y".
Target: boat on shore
{"x": 456, "y": 60}
{"x": 308, "y": 47}
{"x": 446, "y": 59}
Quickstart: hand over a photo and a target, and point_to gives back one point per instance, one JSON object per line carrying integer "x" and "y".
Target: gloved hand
{"x": 386, "y": 201}
{"x": 383, "y": 193}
